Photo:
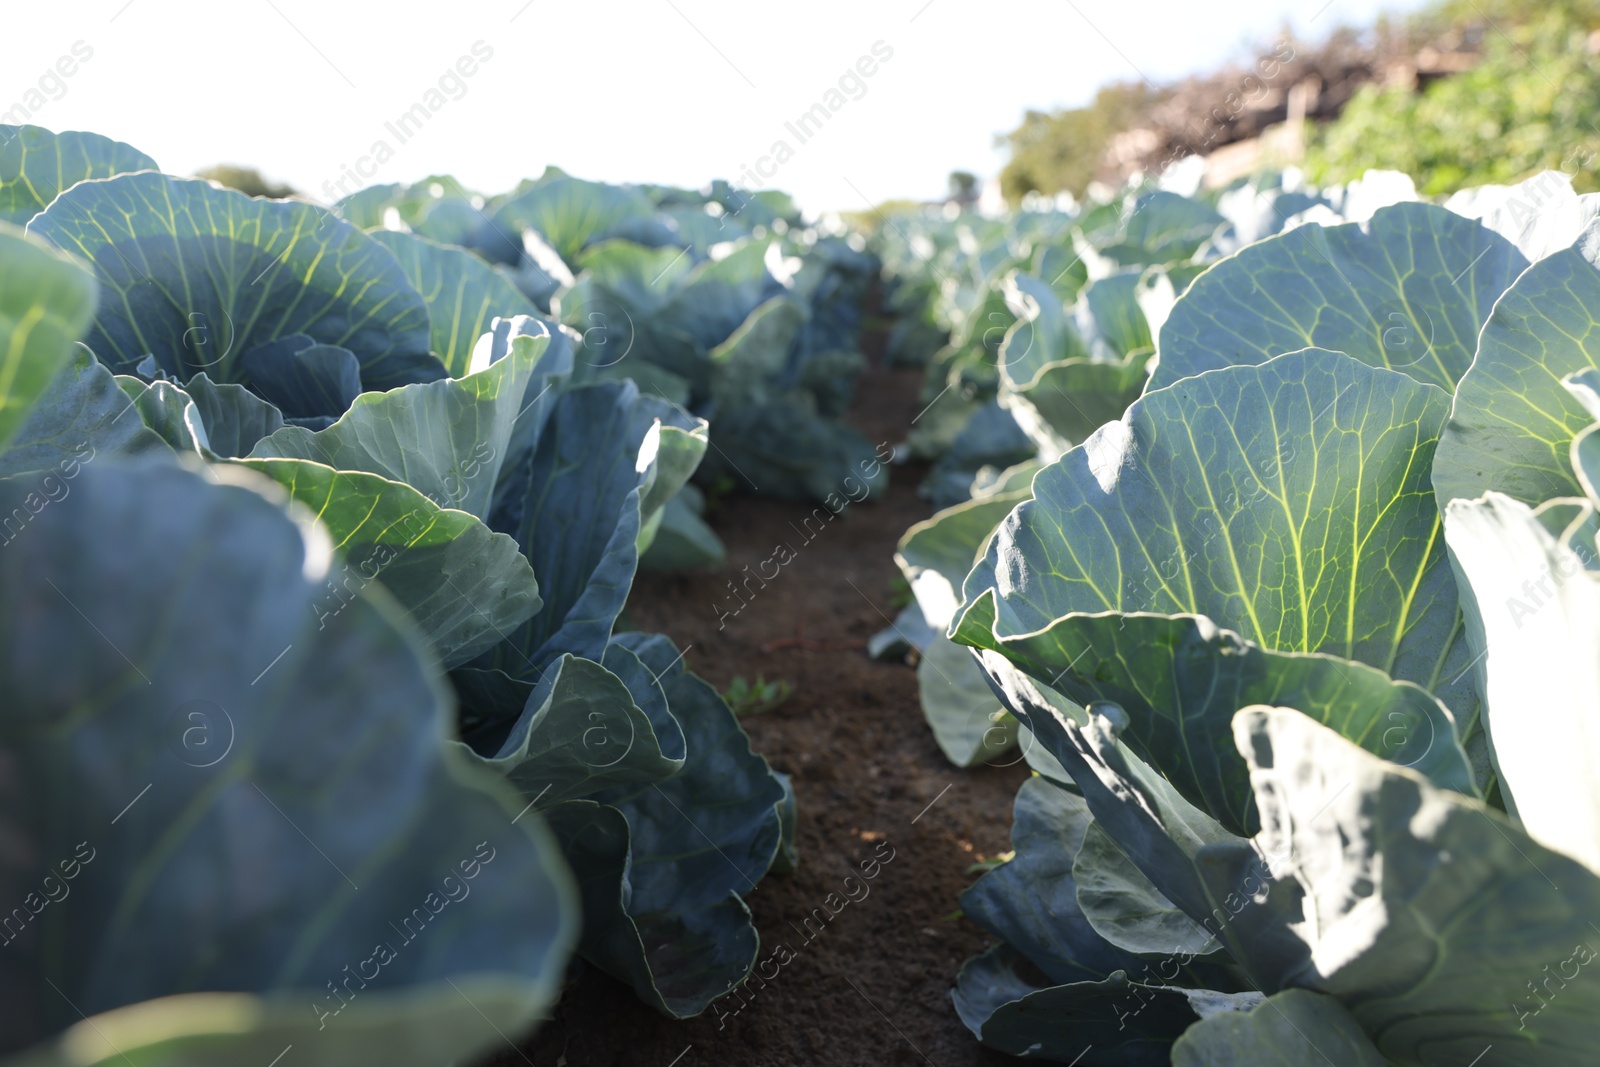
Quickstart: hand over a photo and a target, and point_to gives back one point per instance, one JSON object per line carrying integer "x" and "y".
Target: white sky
{"x": 673, "y": 91}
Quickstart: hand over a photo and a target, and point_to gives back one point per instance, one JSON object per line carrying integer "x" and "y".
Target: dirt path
{"x": 872, "y": 987}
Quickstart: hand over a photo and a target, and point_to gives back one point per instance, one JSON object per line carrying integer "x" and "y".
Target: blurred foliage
{"x": 1057, "y": 150}
{"x": 1528, "y": 105}
{"x": 1444, "y": 16}
{"x": 869, "y": 219}
{"x": 247, "y": 180}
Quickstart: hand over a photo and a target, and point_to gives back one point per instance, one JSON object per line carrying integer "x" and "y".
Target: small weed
{"x": 752, "y": 698}
{"x": 718, "y": 491}
{"x": 991, "y": 863}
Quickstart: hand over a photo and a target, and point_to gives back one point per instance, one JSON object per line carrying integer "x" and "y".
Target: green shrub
{"x": 1527, "y": 106}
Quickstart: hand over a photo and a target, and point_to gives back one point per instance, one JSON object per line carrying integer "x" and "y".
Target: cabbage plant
{"x": 398, "y": 407}
{"x": 1289, "y": 642}
{"x": 719, "y": 300}
{"x": 237, "y": 825}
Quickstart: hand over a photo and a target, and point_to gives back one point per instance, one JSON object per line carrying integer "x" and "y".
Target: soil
{"x": 873, "y": 987}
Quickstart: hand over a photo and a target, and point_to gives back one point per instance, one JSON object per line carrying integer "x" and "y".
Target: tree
{"x": 1056, "y": 150}
{"x": 246, "y": 180}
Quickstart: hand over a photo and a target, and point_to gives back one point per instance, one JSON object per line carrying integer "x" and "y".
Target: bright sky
{"x": 672, "y": 91}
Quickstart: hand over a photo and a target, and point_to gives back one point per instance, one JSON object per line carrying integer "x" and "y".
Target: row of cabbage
{"x": 721, "y": 300}
{"x": 319, "y": 728}
{"x": 1302, "y": 645}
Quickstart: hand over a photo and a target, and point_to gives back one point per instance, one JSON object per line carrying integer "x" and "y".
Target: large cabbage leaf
{"x": 59, "y": 408}
{"x": 1100, "y": 1003}
{"x": 1448, "y": 932}
{"x": 934, "y": 555}
{"x": 199, "y": 277}
{"x": 607, "y": 461}
{"x": 447, "y": 439}
{"x": 664, "y": 866}
{"x": 1532, "y": 603}
{"x": 1094, "y": 1023}
{"x": 1293, "y": 1027}
{"x": 463, "y": 585}
{"x": 1541, "y": 214}
{"x": 82, "y": 413}
{"x": 36, "y": 165}
{"x": 463, "y": 293}
{"x": 571, "y": 214}
{"x": 1407, "y": 290}
{"x": 1285, "y": 505}
{"x": 215, "y": 795}
{"x": 1513, "y": 422}
{"x": 46, "y": 304}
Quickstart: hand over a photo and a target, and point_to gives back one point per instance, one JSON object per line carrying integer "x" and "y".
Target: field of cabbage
{"x": 1267, "y": 539}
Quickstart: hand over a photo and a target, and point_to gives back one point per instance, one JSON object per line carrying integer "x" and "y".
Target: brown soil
{"x": 873, "y": 986}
